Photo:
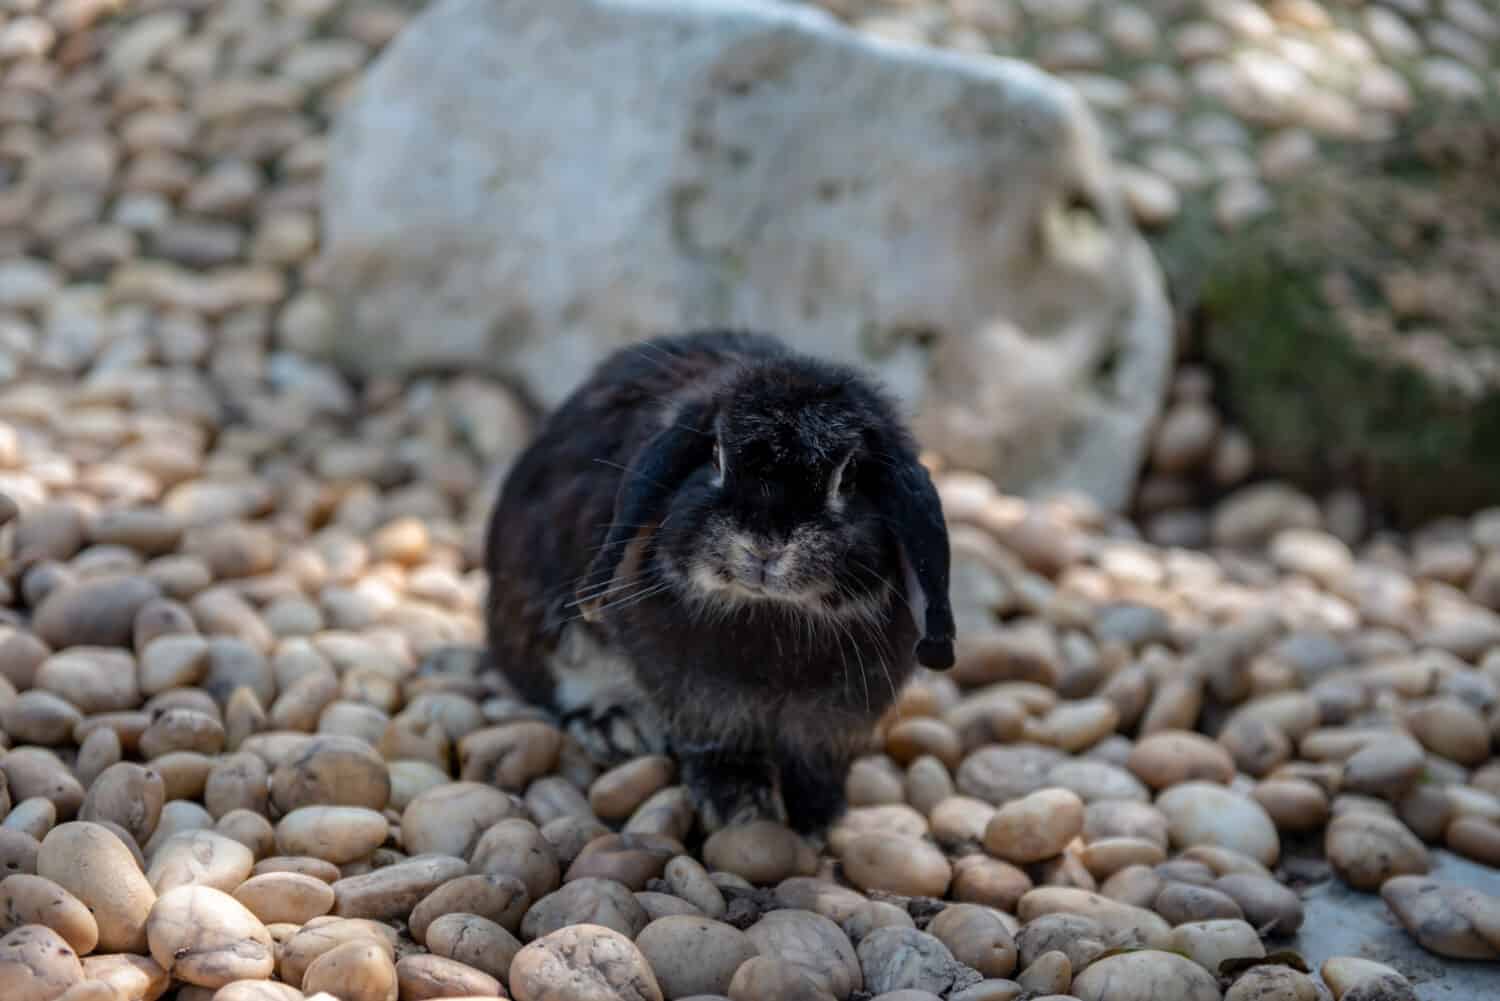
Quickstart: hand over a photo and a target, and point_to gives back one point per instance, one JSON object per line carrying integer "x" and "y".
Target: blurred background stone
{"x": 973, "y": 250}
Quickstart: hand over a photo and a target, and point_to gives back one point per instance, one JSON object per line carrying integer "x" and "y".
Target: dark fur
{"x": 614, "y": 510}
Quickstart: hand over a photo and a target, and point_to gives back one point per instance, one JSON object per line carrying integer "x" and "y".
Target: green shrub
{"x": 1356, "y": 329}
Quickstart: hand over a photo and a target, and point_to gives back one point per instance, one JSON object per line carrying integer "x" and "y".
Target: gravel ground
{"x": 248, "y": 757}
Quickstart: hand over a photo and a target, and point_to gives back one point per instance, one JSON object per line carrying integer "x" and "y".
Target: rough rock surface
{"x": 713, "y": 163}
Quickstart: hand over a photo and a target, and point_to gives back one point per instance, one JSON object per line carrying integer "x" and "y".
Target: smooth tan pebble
{"x": 96, "y": 867}
{"x": 1274, "y": 983}
{"x": 497, "y": 897}
{"x": 323, "y": 934}
{"x": 428, "y": 977}
{"x": 337, "y": 834}
{"x": 475, "y": 941}
{"x": 130, "y": 975}
{"x": 1209, "y": 943}
{"x": 1367, "y": 849}
{"x": 205, "y": 937}
{"x": 763, "y": 852}
{"x": 617, "y": 793}
{"x": 1344, "y": 973}
{"x": 690, "y": 881}
{"x": 910, "y": 739}
{"x": 1048, "y": 974}
{"x": 1294, "y": 805}
{"x": 765, "y": 979}
{"x": 27, "y": 899}
{"x": 1202, "y": 813}
{"x": 1107, "y": 856}
{"x": 694, "y": 955}
{"x": 813, "y": 941}
{"x": 390, "y": 893}
{"x": 1446, "y": 918}
{"x": 255, "y": 990}
{"x": 1129, "y": 925}
{"x": 307, "y": 866}
{"x": 200, "y": 858}
{"x": 596, "y": 964}
{"x": 1171, "y": 757}
{"x": 897, "y": 864}
{"x": 353, "y": 971}
{"x": 1475, "y": 838}
{"x": 1145, "y": 976}
{"x": 36, "y": 964}
{"x": 979, "y": 879}
{"x": 1035, "y": 827}
{"x": 977, "y": 937}
{"x": 285, "y": 897}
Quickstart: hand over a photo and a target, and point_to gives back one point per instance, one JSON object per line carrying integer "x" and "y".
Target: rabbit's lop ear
{"x": 645, "y": 488}
{"x": 915, "y": 516}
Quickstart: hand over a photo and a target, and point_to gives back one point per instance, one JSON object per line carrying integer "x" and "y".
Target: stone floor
{"x": 1341, "y": 922}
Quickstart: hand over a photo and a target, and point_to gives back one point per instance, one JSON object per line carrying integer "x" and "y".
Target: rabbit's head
{"x": 790, "y": 483}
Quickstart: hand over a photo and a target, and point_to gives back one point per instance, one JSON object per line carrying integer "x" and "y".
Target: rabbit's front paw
{"x": 599, "y": 703}
{"x": 614, "y": 732}
{"x": 730, "y": 789}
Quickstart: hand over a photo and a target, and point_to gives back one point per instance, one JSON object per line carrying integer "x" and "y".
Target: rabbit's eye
{"x": 846, "y": 478}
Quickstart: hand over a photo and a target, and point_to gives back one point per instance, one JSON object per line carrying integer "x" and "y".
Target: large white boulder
{"x": 518, "y": 187}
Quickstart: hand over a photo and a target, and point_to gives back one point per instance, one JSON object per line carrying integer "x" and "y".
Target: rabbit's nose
{"x": 759, "y": 565}
{"x": 759, "y": 559}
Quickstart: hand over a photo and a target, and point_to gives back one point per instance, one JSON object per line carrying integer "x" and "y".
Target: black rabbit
{"x": 725, "y": 550}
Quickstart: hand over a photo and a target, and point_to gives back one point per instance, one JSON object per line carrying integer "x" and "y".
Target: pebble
{"x": 1131, "y": 29}
{"x": 897, "y": 864}
{"x": 357, "y": 971}
{"x": 978, "y": 937}
{"x": 616, "y": 794}
{"x": 1152, "y": 199}
{"x": 1208, "y": 943}
{"x": 1203, "y": 813}
{"x": 1036, "y": 827}
{"x": 1344, "y": 973}
{"x": 1273, "y": 983}
{"x": 1265, "y": 902}
{"x": 1147, "y": 975}
{"x": 1254, "y": 515}
{"x": 205, "y": 937}
{"x": 1169, "y": 758}
{"x": 764, "y": 979}
{"x": 1185, "y": 438}
{"x": 1446, "y": 918}
{"x": 1124, "y": 923}
{"x": 1448, "y": 727}
{"x": 812, "y": 941}
{"x": 694, "y": 955}
{"x": 93, "y": 864}
{"x": 1450, "y": 78}
{"x": 1181, "y": 903}
{"x": 762, "y": 852}
{"x": 1294, "y": 805}
{"x": 589, "y": 899}
{"x": 1367, "y": 849}
{"x": 893, "y": 959}
{"x": 1051, "y": 972}
{"x": 390, "y": 892}
{"x": 36, "y": 964}
{"x": 1385, "y": 768}
{"x": 423, "y": 976}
